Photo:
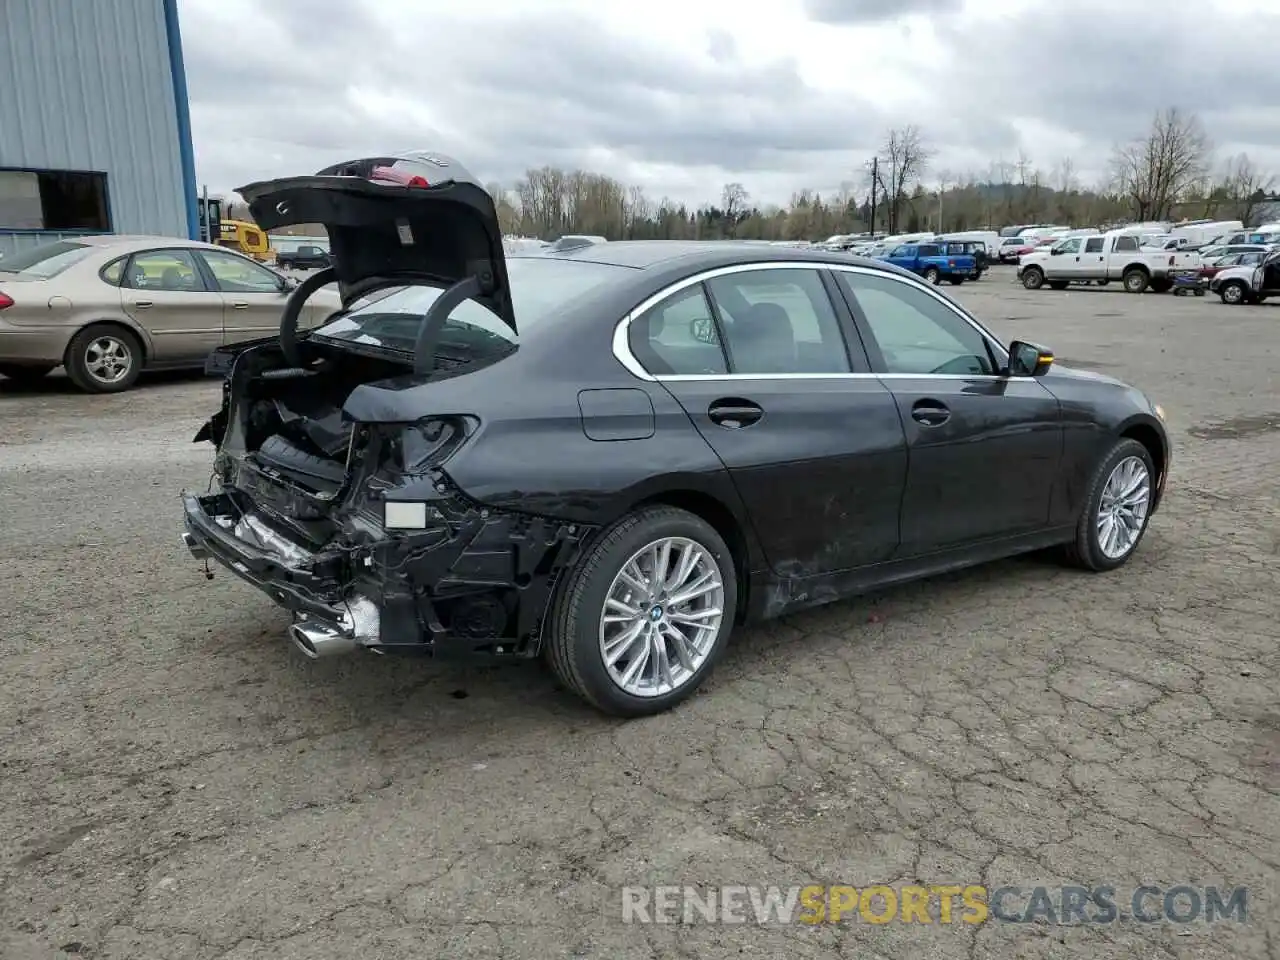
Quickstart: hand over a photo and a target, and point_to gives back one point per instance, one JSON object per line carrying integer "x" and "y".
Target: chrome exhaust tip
{"x": 197, "y": 551}
{"x": 316, "y": 642}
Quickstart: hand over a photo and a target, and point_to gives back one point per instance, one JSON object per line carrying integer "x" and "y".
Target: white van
{"x": 917, "y": 237}
{"x": 989, "y": 238}
{"x": 1199, "y": 234}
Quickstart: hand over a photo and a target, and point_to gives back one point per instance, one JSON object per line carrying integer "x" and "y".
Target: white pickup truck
{"x": 1101, "y": 259}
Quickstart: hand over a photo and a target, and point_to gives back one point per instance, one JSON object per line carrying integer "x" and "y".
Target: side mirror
{"x": 1029, "y": 360}
{"x": 703, "y": 330}
{"x": 1054, "y": 251}
{"x": 288, "y": 284}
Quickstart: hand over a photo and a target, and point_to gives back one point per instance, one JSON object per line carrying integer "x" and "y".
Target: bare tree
{"x": 1064, "y": 178}
{"x": 902, "y": 162}
{"x": 1156, "y": 171}
{"x": 1244, "y": 187}
{"x": 1023, "y": 166}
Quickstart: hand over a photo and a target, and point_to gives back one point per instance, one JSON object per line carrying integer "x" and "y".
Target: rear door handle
{"x": 240, "y": 305}
{"x": 734, "y": 413}
{"x": 930, "y": 412}
{"x": 142, "y": 304}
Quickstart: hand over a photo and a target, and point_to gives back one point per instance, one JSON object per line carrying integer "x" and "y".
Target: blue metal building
{"x": 95, "y": 135}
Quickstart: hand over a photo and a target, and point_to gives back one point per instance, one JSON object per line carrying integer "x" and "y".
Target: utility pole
{"x": 875, "y": 179}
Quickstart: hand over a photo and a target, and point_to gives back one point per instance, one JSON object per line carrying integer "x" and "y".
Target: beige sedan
{"x": 108, "y": 307}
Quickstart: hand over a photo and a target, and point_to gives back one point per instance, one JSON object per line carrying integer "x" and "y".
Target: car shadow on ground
{"x": 58, "y": 383}
{"x": 381, "y": 690}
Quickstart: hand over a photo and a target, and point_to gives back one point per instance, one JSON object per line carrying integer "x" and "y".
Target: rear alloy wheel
{"x": 1232, "y": 292}
{"x": 19, "y": 373}
{"x": 642, "y": 618}
{"x": 933, "y": 275}
{"x": 104, "y": 359}
{"x": 1033, "y": 278}
{"x": 1116, "y": 513}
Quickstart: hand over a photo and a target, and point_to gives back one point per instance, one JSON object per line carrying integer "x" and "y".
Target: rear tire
{"x": 576, "y": 642}
{"x": 1135, "y": 281}
{"x": 933, "y": 276}
{"x": 1033, "y": 278}
{"x": 1107, "y": 487}
{"x": 104, "y": 358}
{"x": 19, "y": 373}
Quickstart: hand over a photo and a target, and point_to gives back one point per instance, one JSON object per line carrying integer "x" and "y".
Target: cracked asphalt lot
{"x": 177, "y": 783}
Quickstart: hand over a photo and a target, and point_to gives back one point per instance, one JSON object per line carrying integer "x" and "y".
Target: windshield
{"x": 45, "y": 261}
{"x": 539, "y": 288}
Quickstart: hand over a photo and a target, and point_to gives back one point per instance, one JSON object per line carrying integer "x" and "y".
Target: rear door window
{"x": 779, "y": 321}
{"x": 1093, "y": 245}
{"x": 173, "y": 271}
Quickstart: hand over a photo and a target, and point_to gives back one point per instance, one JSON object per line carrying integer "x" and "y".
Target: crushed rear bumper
{"x": 475, "y": 585}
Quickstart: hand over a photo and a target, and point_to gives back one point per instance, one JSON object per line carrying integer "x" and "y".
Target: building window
{"x": 67, "y": 200}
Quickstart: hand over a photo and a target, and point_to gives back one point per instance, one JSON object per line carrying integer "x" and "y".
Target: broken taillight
{"x": 5, "y": 301}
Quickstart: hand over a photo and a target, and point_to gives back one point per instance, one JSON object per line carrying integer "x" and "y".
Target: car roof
{"x": 694, "y": 254}
{"x": 127, "y": 242}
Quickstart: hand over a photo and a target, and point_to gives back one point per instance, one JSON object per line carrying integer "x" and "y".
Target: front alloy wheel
{"x": 1232, "y": 293}
{"x": 1116, "y": 514}
{"x": 640, "y": 619}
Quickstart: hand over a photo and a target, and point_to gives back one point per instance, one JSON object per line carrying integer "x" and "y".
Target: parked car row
{"x": 1238, "y": 273}
{"x": 108, "y": 307}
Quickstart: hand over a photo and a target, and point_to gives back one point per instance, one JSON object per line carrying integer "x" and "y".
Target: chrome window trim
{"x": 622, "y": 347}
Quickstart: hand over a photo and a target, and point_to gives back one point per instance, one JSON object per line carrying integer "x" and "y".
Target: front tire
{"x": 1233, "y": 293}
{"x": 643, "y": 616}
{"x": 104, "y": 358}
{"x": 1033, "y": 278}
{"x": 1117, "y": 509}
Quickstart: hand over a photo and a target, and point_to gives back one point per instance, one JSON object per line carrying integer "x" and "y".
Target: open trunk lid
{"x": 411, "y": 218}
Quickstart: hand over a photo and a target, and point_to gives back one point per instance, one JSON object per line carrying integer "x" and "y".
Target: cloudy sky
{"x": 682, "y": 96}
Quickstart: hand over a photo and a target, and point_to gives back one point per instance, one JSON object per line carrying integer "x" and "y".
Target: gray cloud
{"x": 545, "y": 91}
{"x": 877, "y": 11}
{"x": 295, "y": 87}
{"x": 1100, "y": 71}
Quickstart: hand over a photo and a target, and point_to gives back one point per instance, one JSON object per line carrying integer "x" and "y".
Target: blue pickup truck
{"x": 930, "y": 262}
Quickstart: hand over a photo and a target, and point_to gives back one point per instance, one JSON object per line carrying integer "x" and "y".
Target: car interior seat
{"x": 173, "y": 279}
{"x": 763, "y": 340}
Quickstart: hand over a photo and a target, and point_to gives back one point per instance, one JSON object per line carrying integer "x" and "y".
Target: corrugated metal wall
{"x": 87, "y": 85}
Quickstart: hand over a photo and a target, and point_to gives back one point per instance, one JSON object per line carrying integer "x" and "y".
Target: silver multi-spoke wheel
{"x": 1122, "y": 509}
{"x": 662, "y": 614}
{"x": 108, "y": 359}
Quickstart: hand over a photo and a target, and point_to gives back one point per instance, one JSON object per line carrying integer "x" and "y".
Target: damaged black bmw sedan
{"x": 612, "y": 455}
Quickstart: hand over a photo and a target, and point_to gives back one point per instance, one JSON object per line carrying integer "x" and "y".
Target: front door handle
{"x": 734, "y": 413}
{"x": 240, "y": 305}
{"x": 930, "y": 412}
{"x": 142, "y": 304}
